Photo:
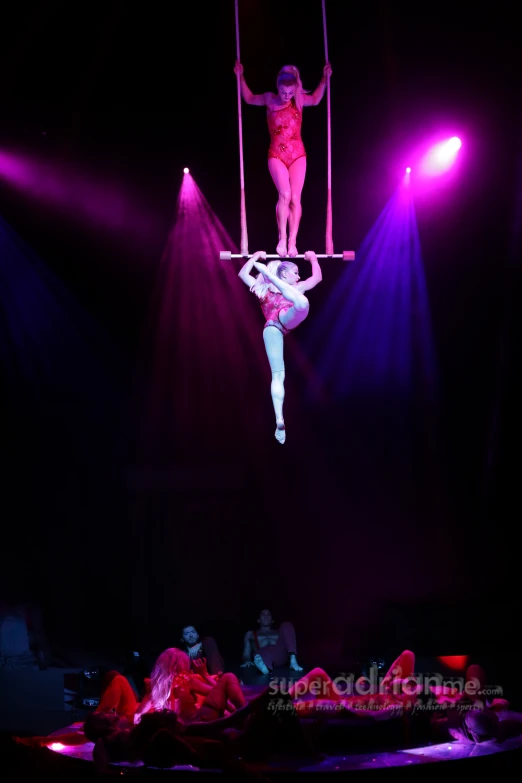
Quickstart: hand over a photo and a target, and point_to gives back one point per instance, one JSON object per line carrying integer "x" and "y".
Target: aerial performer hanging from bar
{"x": 286, "y": 153}
{"x": 281, "y": 295}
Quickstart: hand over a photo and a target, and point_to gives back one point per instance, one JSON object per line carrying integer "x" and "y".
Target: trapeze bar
{"x": 227, "y": 255}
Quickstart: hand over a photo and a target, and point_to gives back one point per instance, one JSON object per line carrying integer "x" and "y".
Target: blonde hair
{"x": 169, "y": 664}
{"x": 263, "y": 285}
{"x": 289, "y": 75}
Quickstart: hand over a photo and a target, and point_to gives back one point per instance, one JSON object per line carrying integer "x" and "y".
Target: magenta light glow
{"x": 76, "y": 193}
{"x": 408, "y": 170}
{"x": 185, "y": 171}
{"x": 194, "y": 297}
{"x": 440, "y": 157}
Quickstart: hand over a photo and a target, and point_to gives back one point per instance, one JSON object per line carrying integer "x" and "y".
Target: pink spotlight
{"x": 408, "y": 170}
{"x": 440, "y": 157}
{"x": 454, "y": 144}
{"x": 185, "y": 171}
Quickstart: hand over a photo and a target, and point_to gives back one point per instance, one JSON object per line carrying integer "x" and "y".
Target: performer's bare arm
{"x": 244, "y": 272}
{"x": 317, "y": 96}
{"x": 247, "y": 94}
{"x": 316, "y": 276}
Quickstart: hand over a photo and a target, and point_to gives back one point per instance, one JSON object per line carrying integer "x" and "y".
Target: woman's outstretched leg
{"x": 279, "y": 174}
{"x": 274, "y": 340}
{"x": 401, "y": 669}
{"x": 316, "y": 683}
{"x": 226, "y": 690}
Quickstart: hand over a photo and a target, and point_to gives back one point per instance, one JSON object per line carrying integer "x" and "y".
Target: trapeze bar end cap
{"x": 348, "y": 255}
{"x": 225, "y": 255}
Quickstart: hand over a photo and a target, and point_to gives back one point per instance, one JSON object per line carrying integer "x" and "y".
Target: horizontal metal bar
{"x": 346, "y": 255}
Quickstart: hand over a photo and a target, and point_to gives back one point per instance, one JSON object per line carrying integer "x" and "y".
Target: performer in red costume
{"x": 117, "y": 696}
{"x": 397, "y": 691}
{"x": 286, "y": 154}
{"x": 187, "y": 688}
{"x": 284, "y": 305}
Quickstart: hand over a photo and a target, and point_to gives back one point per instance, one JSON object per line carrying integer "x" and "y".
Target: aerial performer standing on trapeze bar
{"x": 286, "y": 154}
{"x": 284, "y": 305}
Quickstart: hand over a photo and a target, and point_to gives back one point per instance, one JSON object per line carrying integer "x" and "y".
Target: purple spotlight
{"x": 185, "y": 171}
{"x": 408, "y": 170}
{"x": 441, "y": 157}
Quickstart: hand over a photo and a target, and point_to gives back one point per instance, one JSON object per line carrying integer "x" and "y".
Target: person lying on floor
{"x": 316, "y": 692}
{"x": 468, "y": 714}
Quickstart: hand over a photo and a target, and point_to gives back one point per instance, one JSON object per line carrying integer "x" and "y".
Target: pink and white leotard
{"x": 272, "y": 305}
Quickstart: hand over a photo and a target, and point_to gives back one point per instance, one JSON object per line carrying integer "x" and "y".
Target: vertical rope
{"x": 244, "y": 234}
{"x": 329, "y": 241}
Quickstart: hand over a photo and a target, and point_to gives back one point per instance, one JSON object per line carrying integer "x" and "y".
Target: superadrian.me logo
{"x": 346, "y": 685}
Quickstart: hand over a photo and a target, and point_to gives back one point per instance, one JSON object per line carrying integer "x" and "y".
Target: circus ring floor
{"x": 344, "y": 753}
{"x": 402, "y": 757}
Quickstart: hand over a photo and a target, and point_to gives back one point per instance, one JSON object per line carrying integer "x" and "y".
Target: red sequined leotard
{"x": 272, "y": 305}
{"x": 284, "y": 126}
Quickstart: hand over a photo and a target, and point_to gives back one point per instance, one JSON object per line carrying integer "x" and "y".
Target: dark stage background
{"x": 368, "y": 539}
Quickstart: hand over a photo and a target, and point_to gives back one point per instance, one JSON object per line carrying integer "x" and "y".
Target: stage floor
{"x": 403, "y": 757}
